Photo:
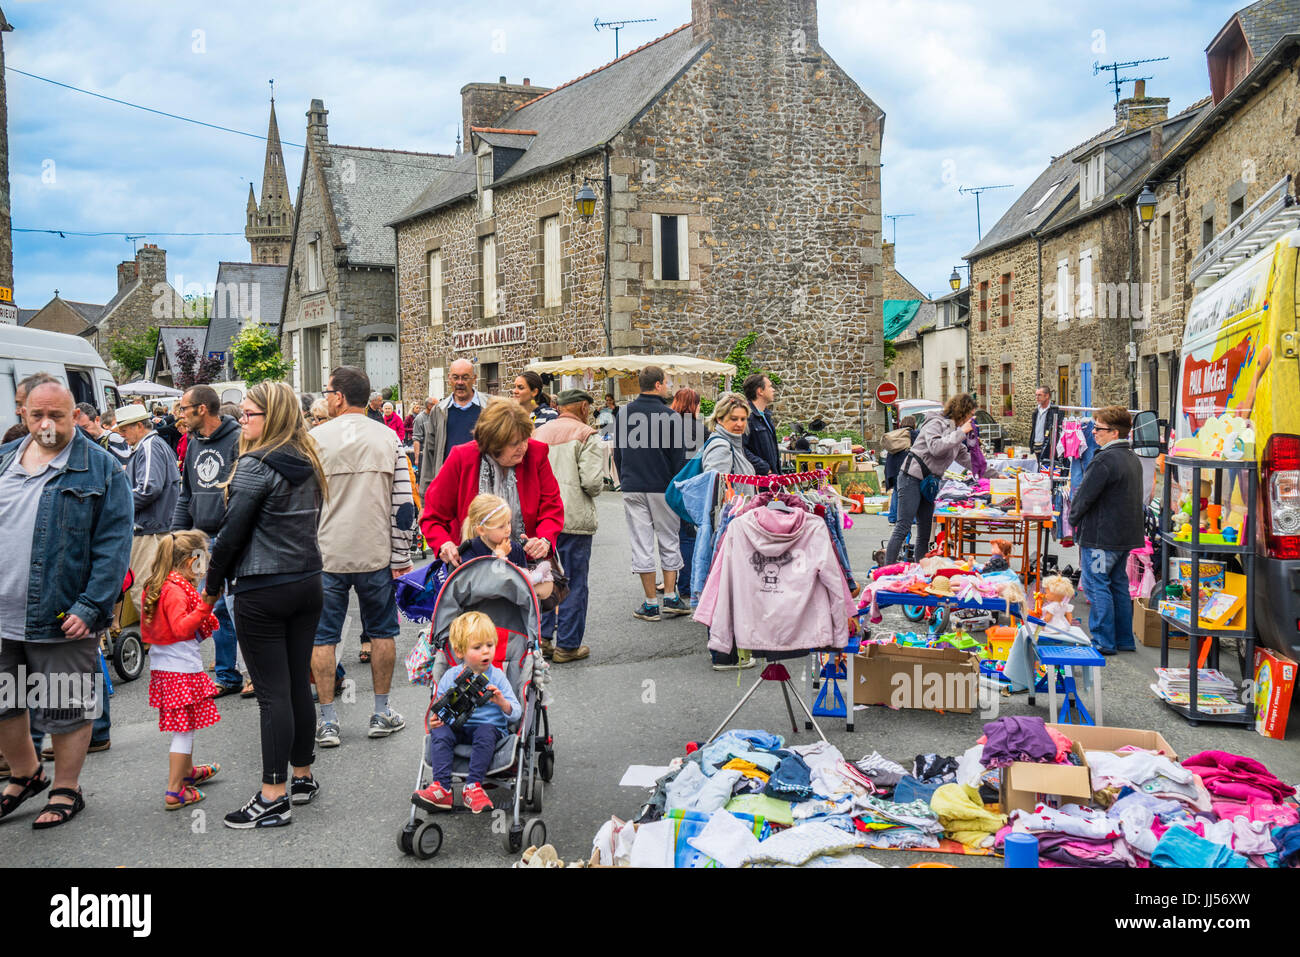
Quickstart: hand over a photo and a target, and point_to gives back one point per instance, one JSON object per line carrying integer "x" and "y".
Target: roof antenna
{"x": 893, "y": 221}
{"x": 1117, "y": 80}
{"x": 132, "y": 240}
{"x": 617, "y": 25}
{"x": 979, "y": 231}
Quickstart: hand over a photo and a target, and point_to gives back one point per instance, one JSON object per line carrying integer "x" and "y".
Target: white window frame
{"x": 683, "y": 254}
{"x": 315, "y": 279}
{"x": 1086, "y": 297}
{"x": 1092, "y": 184}
{"x": 484, "y": 173}
{"x": 552, "y": 293}
{"x": 1063, "y": 310}
{"x": 435, "y": 288}
{"x": 295, "y": 355}
{"x": 437, "y": 383}
{"x": 488, "y": 264}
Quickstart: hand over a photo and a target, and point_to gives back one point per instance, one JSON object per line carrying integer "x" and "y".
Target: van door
{"x": 25, "y": 367}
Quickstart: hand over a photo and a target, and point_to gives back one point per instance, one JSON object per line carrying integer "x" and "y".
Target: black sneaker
{"x": 647, "y": 612}
{"x": 257, "y": 814}
{"x": 676, "y": 606}
{"x": 303, "y": 790}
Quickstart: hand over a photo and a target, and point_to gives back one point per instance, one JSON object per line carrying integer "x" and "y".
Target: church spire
{"x": 271, "y": 228}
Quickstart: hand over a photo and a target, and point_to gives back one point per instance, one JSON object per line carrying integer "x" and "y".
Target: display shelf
{"x": 1246, "y": 717}
{"x": 1205, "y": 548}
{"x": 1205, "y": 632}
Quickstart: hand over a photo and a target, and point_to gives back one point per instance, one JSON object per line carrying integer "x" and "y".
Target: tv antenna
{"x": 1117, "y": 80}
{"x": 979, "y": 230}
{"x": 617, "y": 25}
{"x": 132, "y": 241}
{"x": 893, "y": 221}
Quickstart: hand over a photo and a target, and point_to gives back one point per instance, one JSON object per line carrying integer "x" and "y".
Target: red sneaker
{"x": 433, "y": 798}
{"x": 475, "y": 798}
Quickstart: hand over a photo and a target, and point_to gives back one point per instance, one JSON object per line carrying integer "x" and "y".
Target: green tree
{"x": 133, "y": 352}
{"x": 890, "y": 353}
{"x": 740, "y": 358}
{"x": 256, "y": 355}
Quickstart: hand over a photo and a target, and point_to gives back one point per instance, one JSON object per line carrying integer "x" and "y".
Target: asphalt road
{"x": 646, "y": 690}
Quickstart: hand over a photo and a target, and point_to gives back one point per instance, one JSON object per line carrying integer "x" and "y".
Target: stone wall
{"x": 312, "y": 219}
{"x": 1240, "y": 161}
{"x": 1005, "y": 335}
{"x": 895, "y": 286}
{"x": 905, "y": 371}
{"x": 6, "y": 235}
{"x": 483, "y": 104}
{"x": 576, "y": 327}
{"x": 151, "y": 302}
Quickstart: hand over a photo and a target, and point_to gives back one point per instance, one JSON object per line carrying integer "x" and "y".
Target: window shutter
{"x": 683, "y": 253}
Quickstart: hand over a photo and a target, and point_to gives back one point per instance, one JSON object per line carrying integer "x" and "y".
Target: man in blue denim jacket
{"x": 66, "y": 508}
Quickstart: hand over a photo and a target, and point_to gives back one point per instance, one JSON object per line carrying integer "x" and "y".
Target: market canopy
{"x": 631, "y": 365}
{"x": 152, "y": 389}
{"x": 899, "y": 313}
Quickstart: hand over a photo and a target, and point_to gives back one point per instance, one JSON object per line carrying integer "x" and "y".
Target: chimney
{"x": 487, "y": 104}
{"x": 887, "y": 257}
{"x": 126, "y": 273}
{"x": 318, "y": 132}
{"x": 151, "y": 264}
{"x": 791, "y": 23}
{"x": 1157, "y": 143}
{"x": 1140, "y": 111}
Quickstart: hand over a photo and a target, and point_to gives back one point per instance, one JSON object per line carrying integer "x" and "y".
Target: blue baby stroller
{"x": 525, "y": 758}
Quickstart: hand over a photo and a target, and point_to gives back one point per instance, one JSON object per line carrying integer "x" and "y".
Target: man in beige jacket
{"x": 365, "y": 543}
{"x": 578, "y": 461}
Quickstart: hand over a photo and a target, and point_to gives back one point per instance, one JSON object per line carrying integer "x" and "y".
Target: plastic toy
{"x": 1215, "y": 512}
{"x": 1230, "y": 535}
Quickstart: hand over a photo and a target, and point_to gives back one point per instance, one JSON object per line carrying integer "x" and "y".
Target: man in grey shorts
{"x": 66, "y": 508}
{"x": 649, "y": 450}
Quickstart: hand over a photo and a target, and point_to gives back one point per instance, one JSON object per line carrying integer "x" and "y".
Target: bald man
{"x": 65, "y": 506}
{"x": 451, "y": 421}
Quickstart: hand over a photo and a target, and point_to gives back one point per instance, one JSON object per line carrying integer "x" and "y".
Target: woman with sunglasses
{"x": 267, "y": 551}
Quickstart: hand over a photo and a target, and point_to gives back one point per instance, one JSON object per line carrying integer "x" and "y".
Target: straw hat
{"x": 128, "y": 414}
{"x": 941, "y": 586}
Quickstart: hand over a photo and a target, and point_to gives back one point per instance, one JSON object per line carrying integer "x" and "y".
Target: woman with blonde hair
{"x": 503, "y": 460}
{"x": 267, "y": 551}
{"x": 727, "y": 425}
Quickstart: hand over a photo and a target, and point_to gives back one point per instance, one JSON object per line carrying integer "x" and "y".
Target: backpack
{"x": 692, "y": 468}
{"x": 899, "y": 440}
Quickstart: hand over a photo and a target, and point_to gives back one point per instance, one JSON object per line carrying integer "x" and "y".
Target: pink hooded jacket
{"x": 776, "y": 585}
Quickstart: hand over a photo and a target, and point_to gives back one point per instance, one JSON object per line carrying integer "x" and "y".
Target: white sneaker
{"x": 382, "y": 725}
{"x": 327, "y": 734}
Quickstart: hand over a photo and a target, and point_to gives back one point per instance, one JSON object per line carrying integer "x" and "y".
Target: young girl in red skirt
{"x": 174, "y": 619}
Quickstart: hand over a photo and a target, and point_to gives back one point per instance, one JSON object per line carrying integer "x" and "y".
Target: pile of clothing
{"x": 941, "y": 577}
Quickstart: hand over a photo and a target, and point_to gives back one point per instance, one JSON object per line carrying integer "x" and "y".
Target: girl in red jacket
{"x": 173, "y": 620}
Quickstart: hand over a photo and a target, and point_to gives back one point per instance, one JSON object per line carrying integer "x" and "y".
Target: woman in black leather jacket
{"x": 266, "y": 550}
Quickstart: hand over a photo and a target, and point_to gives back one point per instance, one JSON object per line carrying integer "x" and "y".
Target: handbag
{"x": 559, "y": 583}
{"x": 930, "y": 483}
{"x": 899, "y": 440}
{"x": 419, "y": 663}
{"x": 692, "y": 468}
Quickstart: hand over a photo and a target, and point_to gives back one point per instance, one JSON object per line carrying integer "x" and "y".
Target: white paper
{"x": 642, "y": 775}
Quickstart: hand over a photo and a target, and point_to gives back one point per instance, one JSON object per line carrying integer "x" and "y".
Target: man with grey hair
{"x": 155, "y": 489}
{"x": 65, "y": 506}
{"x": 451, "y": 421}
{"x": 375, "y": 408}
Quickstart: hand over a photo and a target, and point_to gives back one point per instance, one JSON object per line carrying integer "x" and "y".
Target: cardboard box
{"x": 1092, "y": 738}
{"x": 928, "y": 679}
{"x": 1146, "y": 627}
{"x": 1274, "y": 681}
{"x": 1025, "y": 784}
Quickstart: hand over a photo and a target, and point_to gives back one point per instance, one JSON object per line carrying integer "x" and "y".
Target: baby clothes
{"x": 1071, "y": 443}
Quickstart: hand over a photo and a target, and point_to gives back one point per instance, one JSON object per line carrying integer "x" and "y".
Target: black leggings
{"x": 912, "y": 507}
{"x": 277, "y": 629}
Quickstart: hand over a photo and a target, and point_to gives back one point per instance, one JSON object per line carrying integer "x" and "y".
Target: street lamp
{"x": 955, "y": 279}
{"x": 585, "y": 200}
{"x": 1146, "y": 205}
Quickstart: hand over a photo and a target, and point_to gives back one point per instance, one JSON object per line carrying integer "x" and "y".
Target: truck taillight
{"x": 1280, "y": 478}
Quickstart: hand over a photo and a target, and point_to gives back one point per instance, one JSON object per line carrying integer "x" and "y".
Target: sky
{"x": 974, "y": 94}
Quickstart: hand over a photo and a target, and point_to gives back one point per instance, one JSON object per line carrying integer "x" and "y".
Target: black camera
{"x": 467, "y": 692}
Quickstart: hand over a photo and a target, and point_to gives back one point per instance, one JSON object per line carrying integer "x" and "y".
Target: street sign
{"x": 886, "y": 393}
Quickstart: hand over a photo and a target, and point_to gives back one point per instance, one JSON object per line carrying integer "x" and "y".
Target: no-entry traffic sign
{"x": 886, "y": 393}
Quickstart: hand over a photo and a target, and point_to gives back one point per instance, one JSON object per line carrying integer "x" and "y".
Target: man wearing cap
{"x": 578, "y": 460}
{"x": 155, "y": 489}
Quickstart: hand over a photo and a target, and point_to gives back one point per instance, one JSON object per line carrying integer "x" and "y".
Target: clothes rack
{"x": 782, "y": 479}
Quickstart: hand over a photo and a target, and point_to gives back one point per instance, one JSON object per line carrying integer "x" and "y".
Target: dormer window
{"x": 484, "y": 159}
{"x": 1092, "y": 179}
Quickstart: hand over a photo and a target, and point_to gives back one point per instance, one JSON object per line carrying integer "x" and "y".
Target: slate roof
{"x": 169, "y": 337}
{"x": 25, "y": 314}
{"x": 1266, "y": 22}
{"x": 368, "y": 188}
{"x": 258, "y": 292}
{"x": 576, "y": 118}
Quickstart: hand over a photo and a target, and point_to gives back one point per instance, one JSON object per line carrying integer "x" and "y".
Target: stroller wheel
{"x": 404, "y": 838}
{"x": 534, "y": 832}
{"x": 427, "y": 840}
{"x": 513, "y": 839}
{"x": 534, "y": 801}
{"x": 128, "y": 654}
{"x": 546, "y": 765}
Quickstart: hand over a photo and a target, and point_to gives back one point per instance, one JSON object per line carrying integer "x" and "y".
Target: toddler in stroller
{"x": 474, "y": 641}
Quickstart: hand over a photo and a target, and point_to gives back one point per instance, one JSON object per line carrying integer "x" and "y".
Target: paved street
{"x": 646, "y": 690}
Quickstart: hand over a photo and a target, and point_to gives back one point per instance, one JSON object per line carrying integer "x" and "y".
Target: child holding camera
{"x": 474, "y": 641}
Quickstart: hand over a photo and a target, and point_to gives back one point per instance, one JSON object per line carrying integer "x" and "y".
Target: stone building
{"x": 70, "y": 318}
{"x": 736, "y": 172}
{"x": 1247, "y": 141}
{"x": 339, "y": 300}
{"x": 1055, "y": 291}
{"x": 894, "y": 285}
{"x": 269, "y": 227}
{"x": 8, "y": 311}
{"x": 244, "y": 292}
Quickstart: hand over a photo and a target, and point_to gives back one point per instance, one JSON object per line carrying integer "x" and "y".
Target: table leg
{"x": 1051, "y": 692}
{"x": 1096, "y": 696}
{"x": 850, "y": 683}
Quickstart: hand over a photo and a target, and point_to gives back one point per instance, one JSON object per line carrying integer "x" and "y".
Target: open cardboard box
{"x": 928, "y": 679}
{"x": 1146, "y": 627}
{"x": 1093, "y": 738}
{"x": 1025, "y": 784}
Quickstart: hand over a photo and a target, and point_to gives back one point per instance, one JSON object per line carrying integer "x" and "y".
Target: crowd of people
{"x": 252, "y": 525}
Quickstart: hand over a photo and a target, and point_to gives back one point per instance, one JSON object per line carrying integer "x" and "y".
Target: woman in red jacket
{"x": 505, "y": 461}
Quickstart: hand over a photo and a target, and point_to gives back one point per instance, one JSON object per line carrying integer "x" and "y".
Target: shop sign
{"x": 511, "y": 334}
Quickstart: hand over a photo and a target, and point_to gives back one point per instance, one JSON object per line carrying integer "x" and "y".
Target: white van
{"x": 70, "y": 359}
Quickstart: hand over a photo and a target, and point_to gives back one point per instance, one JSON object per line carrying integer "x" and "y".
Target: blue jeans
{"x": 569, "y": 622}
{"x": 892, "y": 514}
{"x": 1110, "y": 609}
{"x": 686, "y": 538}
{"x": 442, "y": 747}
{"x": 225, "y": 646}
